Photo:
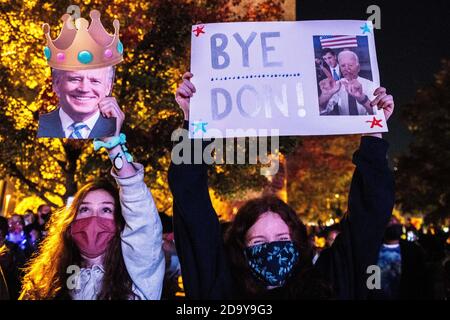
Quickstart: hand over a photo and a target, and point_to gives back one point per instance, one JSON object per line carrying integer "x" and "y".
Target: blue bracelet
{"x": 115, "y": 141}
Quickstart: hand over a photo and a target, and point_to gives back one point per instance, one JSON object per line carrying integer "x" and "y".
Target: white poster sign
{"x": 284, "y": 78}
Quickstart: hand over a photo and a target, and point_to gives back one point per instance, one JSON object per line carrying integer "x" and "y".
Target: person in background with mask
{"x": 107, "y": 244}
{"x": 32, "y": 232}
{"x": 16, "y": 233}
{"x": 33, "y": 240}
{"x": 28, "y": 217}
{"x": 403, "y": 269}
{"x": 266, "y": 253}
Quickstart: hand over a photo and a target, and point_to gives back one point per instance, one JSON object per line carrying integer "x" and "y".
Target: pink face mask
{"x": 92, "y": 235}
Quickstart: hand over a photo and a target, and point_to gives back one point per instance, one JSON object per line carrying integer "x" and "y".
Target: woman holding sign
{"x": 107, "y": 243}
{"x": 266, "y": 253}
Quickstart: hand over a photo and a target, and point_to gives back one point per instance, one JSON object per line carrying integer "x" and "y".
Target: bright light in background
{"x": 7, "y": 199}
{"x": 69, "y": 202}
{"x": 28, "y": 203}
{"x": 417, "y": 222}
{"x": 319, "y": 242}
{"x": 411, "y": 236}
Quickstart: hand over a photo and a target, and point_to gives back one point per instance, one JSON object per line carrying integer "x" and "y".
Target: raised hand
{"x": 354, "y": 88}
{"x": 329, "y": 86}
{"x": 184, "y": 93}
{"x": 383, "y": 101}
{"x": 110, "y": 108}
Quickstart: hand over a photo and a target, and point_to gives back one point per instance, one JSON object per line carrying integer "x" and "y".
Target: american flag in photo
{"x": 336, "y": 42}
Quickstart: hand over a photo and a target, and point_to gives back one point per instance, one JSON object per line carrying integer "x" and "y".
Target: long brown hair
{"x": 248, "y": 214}
{"x": 46, "y": 274}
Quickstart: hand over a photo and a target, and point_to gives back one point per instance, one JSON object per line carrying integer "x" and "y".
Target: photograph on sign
{"x": 344, "y": 75}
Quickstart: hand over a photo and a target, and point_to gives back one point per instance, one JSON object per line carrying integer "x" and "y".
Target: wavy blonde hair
{"x": 46, "y": 274}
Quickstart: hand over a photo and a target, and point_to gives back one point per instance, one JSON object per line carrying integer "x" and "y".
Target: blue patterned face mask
{"x": 272, "y": 262}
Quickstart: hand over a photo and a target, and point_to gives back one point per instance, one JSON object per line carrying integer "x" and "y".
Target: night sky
{"x": 413, "y": 38}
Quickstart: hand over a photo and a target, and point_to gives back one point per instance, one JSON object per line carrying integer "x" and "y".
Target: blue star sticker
{"x": 365, "y": 28}
{"x": 200, "y": 126}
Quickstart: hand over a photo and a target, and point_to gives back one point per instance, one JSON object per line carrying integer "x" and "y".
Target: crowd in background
{"x": 414, "y": 263}
{"x": 20, "y": 236}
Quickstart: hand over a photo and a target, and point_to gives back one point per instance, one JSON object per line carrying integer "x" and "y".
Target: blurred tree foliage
{"x": 156, "y": 38}
{"x": 319, "y": 175}
{"x": 423, "y": 173}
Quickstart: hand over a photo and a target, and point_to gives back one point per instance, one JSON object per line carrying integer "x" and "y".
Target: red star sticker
{"x": 375, "y": 122}
{"x": 199, "y": 30}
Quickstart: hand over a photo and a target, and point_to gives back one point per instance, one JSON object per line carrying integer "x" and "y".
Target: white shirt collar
{"x": 335, "y": 68}
{"x": 88, "y": 283}
{"x": 67, "y": 121}
{"x": 391, "y": 246}
{"x": 94, "y": 267}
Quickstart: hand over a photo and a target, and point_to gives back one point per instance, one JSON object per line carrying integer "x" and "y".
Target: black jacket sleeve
{"x": 415, "y": 283}
{"x": 198, "y": 235}
{"x": 370, "y": 205}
